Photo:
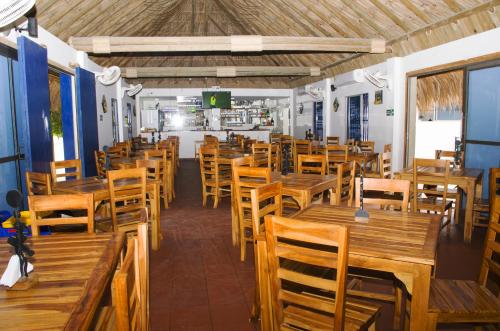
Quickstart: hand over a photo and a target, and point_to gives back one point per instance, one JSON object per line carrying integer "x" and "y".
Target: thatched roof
{"x": 406, "y": 25}
{"x": 440, "y": 92}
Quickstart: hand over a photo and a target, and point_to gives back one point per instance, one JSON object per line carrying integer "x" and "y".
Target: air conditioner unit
{"x": 314, "y": 92}
{"x": 350, "y": 78}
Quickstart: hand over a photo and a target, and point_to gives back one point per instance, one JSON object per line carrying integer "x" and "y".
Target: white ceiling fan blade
{"x": 109, "y": 76}
{"x": 11, "y": 10}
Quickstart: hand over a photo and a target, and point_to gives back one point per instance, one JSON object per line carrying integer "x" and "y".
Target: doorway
{"x": 357, "y": 117}
{"x": 435, "y": 118}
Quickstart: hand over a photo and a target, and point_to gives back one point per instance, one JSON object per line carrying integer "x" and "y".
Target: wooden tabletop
{"x": 463, "y": 173}
{"x": 95, "y": 185}
{"x": 390, "y": 235}
{"x": 298, "y": 182}
{"x": 73, "y": 272}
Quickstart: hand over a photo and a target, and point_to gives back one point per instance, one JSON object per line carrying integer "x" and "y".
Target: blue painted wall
{"x": 88, "y": 139}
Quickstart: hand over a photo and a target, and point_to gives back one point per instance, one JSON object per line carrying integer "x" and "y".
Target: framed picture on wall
{"x": 379, "y": 97}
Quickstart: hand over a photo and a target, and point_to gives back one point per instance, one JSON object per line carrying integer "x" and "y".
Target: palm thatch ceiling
{"x": 406, "y": 25}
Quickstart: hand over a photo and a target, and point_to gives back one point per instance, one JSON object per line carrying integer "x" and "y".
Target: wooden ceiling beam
{"x": 222, "y": 71}
{"x": 233, "y": 44}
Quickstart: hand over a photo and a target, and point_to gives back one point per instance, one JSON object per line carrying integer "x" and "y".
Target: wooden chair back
{"x": 300, "y": 146}
{"x": 38, "y": 183}
{"x": 211, "y": 140}
{"x": 275, "y": 138}
{"x": 41, "y": 205}
{"x": 152, "y": 168}
{"x": 386, "y": 189}
{"x": 262, "y": 155}
{"x": 125, "y": 148}
{"x": 127, "y": 193}
{"x": 447, "y": 155}
{"x": 72, "y": 170}
{"x": 332, "y": 140}
{"x": 247, "y": 144}
{"x": 115, "y": 152}
{"x": 335, "y": 154}
{"x": 266, "y": 200}
{"x": 494, "y": 187}
{"x": 311, "y": 164}
{"x": 322, "y": 245}
{"x": 491, "y": 250}
{"x": 344, "y": 189}
{"x": 165, "y": 166}
{"x": 388, "y": 148}
{"x": 100, "y": 163}
{"x": 208, "y": 164}
{"x": 435, "y": 188}
{"x": 367, "y": 146}
{"x": 130, "y": 286}
{"x": 385, "y": 165}
{"x": 244, "y": 161}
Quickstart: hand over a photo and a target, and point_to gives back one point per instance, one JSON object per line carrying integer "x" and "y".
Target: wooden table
{"x": 73, "y": 271}
{"x": 301, "y": 187}
{"x": 469, "y": 180}
{"x": 99, "y": 187}
{"x": 404, "y": 244}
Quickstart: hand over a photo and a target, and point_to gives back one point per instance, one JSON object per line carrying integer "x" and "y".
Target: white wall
{"x": 64, "y": 55}
{"x": 380, "y": 125}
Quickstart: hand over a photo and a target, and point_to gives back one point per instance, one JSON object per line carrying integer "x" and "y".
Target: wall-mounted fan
{"x": 314, "y": 92}
{"x": 378, "y": 79}
{"x": 132, "y": 90}
{"x": 109, "y": 76}
{"x": 12, "y": 10}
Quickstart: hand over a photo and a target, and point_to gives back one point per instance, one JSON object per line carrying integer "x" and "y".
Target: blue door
{"x": 354, "y": 117}
{"x": 34, "y": 105}
{"x": 67, "y": 116}
{"x": 482, "y": 134}
{"x": 87, "y": 120}
{"x": 318, "y": 120}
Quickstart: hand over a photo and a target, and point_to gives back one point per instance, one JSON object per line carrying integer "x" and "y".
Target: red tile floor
{"x": 199, "y": 283}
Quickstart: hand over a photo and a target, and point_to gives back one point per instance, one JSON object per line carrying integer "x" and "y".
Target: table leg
{"x": 471, "y": 192}
{"x": 420, "y": 299}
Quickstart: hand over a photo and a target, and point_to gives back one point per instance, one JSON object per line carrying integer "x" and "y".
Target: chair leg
{"x": 373, "y": 326}
{"x": 243, "y": 243}
{"x": 397, "y": 307}
{"x": 216, "y": 197}
{"x": 204, "y": 196}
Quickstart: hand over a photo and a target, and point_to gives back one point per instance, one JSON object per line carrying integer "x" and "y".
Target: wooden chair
{"x": 384, "y": 167}
{"x": 245, "y": 179}
{"x": 38, "y": 183}
{"x": 466, "y": 301}
{"x": 448, "y": 155}
{"x": 41, "y": 205}
{"x": 265, "y": 200}
{"x": 431, "y": 195}
{"x": 332, "y": 140}
{"x": 152, "y": 172}
{"x": 351, "y": 144}
{"x": 72, "y": 170}
{"x": 300, "y": 146}
{"x": 100, "y": 163}
{"x": 367, "y": 146}
{"x": 275, "y": 138}
{"x": 454, "y": 193}
{"x": 211, "y": 140}
{"x": 172, "y": 158}
{"x": 307, "y": 269}
{"x": 481, "y": 208}
{"x": 380, "y": 193}
{"x": 127, "y": 196}
{"x": 388, "y": 148}
{"x": 344, "y": 189}
{"x": 276, "y": 155}
{"x": 176, "y": 141}
{"x": 130, "y": 285}
{"x": 262, "y": 155}
{"x": 386, "y": 189}
{"x": 335, "y": 154}
{"x": 215, "y": 180}
{"x": 311, "y": 164}
{"x": 165, "y": 173}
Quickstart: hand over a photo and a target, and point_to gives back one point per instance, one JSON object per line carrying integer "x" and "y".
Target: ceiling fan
{"x": 132, "y": 90}
{"x": 11, "y": 10}
{"x": 109, "y": 76}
